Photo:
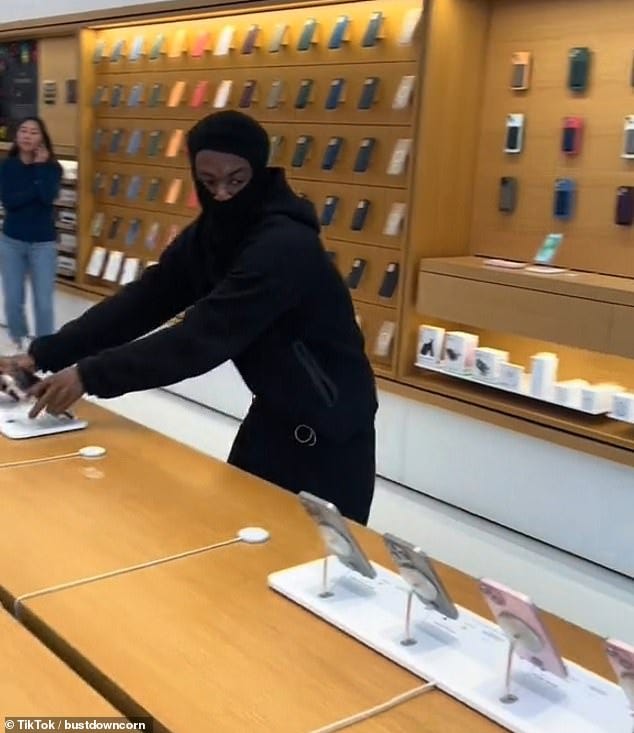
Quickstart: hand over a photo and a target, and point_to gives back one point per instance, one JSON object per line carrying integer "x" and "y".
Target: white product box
{"x": 511, "y": 376}
{"x": 598, "y": 397}
{"x": 623, "y": 406}
{"x": 488, "y": 363}
{"x": 459, "y": 351}
{"x": 543, "y": 375}
{"x": 431, "y": 340}
{"x": 568, "y": 393}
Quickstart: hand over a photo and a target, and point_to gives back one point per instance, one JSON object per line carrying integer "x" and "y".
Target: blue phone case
{"x": 331, "y": 154}
{"x": 308, "y": 33}
{"x": 339, "y": 32}
{"x": 564, "y": 198}
{"x": 335, "y": 93}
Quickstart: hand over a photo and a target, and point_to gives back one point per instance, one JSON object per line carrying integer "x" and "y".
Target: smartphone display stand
{"x": 16, "y": 425}
{"x": 465, "y": 657}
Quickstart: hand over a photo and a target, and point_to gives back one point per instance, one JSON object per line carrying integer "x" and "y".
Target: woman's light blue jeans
{"x": 38, "y": 262}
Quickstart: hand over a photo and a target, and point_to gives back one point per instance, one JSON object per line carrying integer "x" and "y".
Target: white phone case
{"x": 400, "y": 154}
{"x": 225, "y": 41}
{"x": 404, "y": 92}
{"x": 96, "y": 262}
{"x": 394, "y": 221}
{"x": 410, "y": 23}
{"x": 221, "y": 100}
{"x": 384, "y": 339}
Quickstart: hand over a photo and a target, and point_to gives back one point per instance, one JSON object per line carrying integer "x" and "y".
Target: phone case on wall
{"x": 519, "y": 619}
{"x": 116, "y": 95}
{"x": 137, "y": 49}
{"x": 113, "y": 266}
{"x": 307, "y": 37}
{"x": 248, "y": 94}
{"x": 404, "y": 92}
{"x": 178, "y": 44}
{"x": 99, "y": 52}
{"x": 278, "y": 38}
{"x": 155, "y": 95}
{"x": 364, "y": 155}
{"x": 564, "y": 199}
{"x": 115, "y": 185}
{"x": 96, "y": 226}
{"x": 97, "y": 140}
{"x": 154, "y": 143}
{"x": 223, "y": 93}
{"x": 329, "y": 210}
{"x": 174, "y": 191}
{"x": 96, "y": 261}
{"x": 117, "y": 51}
{"x": 335, "y": 93}
{"x": 368, "y": 93}
{"x": 250, "y": 40}
{"x": 390, "y": 281}
{"x": 507, "y": 200}
{"x": 114, "y": 227}
{"x": 115, "y": 141}
{"x": 360, "y": 215}
{"x": 157, "y": 47}
{"x": 514, "y": 137}
{"x": 418, "y": 572}
{"x": 621, "y": 658}
{"x": 331, "y": 153}
{"x": 373, "y": 30}
{"x": 225, "y": 41}
{"x": 302, "y": 150}
{"x": 521, "y": 63}
{"x": 395, "y": 220}
{"x": 579, "y": 68}
{"x": 571, "y": 135}
{"x": 152, "y": 235}
{"x": 201, "y": 45}
{"x": 133, "y": 232}
{"x": 628, "y": 138}
{"x": 99, "y": 96}
{"x": 98, "y": 183}
{"x": 624, "y": 214}
{"x": 199, "y": 95}
{"x": 355, "y": 275}
{"x": 176, "y": 94}
{"x": 339, "y": 32}
{"x": 400, "y": 156}
{"x": 153, "y": 189}
{"x": 136, "y": 94}
{"x": 134, "y": 143}
{"x": 275, "y": 94}
{"x": 134, "y": 188}
{"x": 175, "y": 144}
{"x": 304, "y": 93}
{"x": 411, "y": 21}
{"x": 275, "y": 148}
{"x": 336, "y": 535}
{"x": 384, "y": 340}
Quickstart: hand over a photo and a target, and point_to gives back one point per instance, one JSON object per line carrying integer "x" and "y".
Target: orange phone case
{"x": 175, "y": 144}
{"x": 174, "y": 191}
{"x": 176, "y": 94}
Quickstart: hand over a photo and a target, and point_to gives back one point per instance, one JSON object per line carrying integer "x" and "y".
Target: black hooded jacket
{"x": 275, "y": 305}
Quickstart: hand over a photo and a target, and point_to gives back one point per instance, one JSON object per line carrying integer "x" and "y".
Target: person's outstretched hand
{"x": 57, "y": 393}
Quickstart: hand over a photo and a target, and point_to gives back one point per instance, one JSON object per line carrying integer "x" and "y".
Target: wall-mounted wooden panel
{"x": 59, "y": 62}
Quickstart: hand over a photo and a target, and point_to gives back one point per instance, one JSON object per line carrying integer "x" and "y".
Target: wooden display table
{"x": 33, "y": 682}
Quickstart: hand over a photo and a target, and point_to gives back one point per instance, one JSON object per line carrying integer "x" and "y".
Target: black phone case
{"x": 329, "y": 210}
{"x": 115, "y": 185}
{"x": 303, "y": 94}
{"x": 364, "y": 155}
{"x": 624, "y": 214}
{"x": 390, "y": 281}
{"x": 248, "y": 92}
{"x": 579, "y": 69}
{"x": 368, "y": 93}
{"x": 356, "y": 273}
{"x": 360, "y": 215}
{"x": 155, "y": 95}
{"x": 508, "y": 194}
{"x": 331, "y": 154}
{"x": 512, "y": 137}
{"x": 568, "y": 139}
{"x": 563, "y": 200}
{"x": 114, "y": 227}
{"x": 628, "y": 147}
{"x": 153, "y": 189}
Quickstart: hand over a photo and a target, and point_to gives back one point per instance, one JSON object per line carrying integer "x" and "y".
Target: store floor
{"x": 595, "y": 598}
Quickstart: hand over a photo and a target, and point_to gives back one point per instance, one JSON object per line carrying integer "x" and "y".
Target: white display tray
{"x": 620, "y": 419}
{"x": 523, "y": 392}
{"x": 466, "y": 658}
{"x": 16, "y": 424}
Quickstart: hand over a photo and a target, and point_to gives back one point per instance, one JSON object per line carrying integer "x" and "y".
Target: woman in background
{"x": 29, "y": 184}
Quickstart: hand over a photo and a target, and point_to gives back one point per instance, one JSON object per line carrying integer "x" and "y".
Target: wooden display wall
{"x": 137, "y": 109}
{"x": 548, "y": 29}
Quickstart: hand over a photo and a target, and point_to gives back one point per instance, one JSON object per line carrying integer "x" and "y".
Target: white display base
{"x": 15, "y": 423}
{"x": 523, "y": 392}
{"x": 620, "y": 419}
{"x": 466, "y": 658}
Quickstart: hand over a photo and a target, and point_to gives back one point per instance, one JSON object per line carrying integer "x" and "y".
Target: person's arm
{"x": 162, "y": 292}
{"x": 47, "y": 181}
{"x": 266, "y": 281}
{"x": 14, "y": 197}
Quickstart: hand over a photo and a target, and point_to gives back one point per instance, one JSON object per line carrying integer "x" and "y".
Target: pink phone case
{"x": 621, "y": 657}
{"x": 519, "y": 618}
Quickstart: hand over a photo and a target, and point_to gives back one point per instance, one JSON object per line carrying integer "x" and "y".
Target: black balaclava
{"x": 225, "y": 223}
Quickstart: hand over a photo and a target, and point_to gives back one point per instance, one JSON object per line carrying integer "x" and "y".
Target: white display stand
{"x": 16, "y": 424}
{"x": 524, "y": 391}
{"x": 466, "y": 658}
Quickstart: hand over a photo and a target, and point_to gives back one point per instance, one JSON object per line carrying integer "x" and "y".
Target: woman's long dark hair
{"x": 46, "y": 138}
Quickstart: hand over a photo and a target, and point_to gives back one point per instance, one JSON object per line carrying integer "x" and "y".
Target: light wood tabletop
{"x": 34, "y": 682}
{"x": 202, "y": 643}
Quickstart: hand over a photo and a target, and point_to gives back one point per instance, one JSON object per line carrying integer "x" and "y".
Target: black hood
{"x": 281, "y": 200}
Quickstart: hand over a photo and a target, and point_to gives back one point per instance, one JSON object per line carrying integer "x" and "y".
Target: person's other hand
{"x": 57, "y": 393}
{"x": 41, "y": 155}
{"x": 11, "y": 364}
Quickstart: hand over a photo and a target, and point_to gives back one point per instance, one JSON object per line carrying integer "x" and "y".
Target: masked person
{"x": 257, "y": 288}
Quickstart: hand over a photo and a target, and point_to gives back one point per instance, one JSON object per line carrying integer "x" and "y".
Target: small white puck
{"x": 92, "y": 451}
{"x": 253, "y": 535}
